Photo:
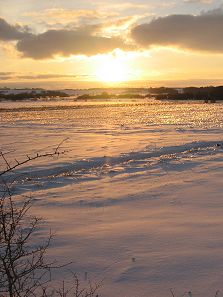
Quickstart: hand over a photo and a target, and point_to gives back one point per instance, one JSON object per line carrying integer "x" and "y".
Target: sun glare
{"x": 112, "y": 70}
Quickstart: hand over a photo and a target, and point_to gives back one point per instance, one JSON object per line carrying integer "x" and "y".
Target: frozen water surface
{"x": 139, "y": 180}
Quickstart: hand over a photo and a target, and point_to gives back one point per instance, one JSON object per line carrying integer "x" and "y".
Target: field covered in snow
{"x": 137, "y": 198}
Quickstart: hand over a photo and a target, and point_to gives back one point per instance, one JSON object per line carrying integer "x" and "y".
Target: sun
{"x": 112, "y": 70}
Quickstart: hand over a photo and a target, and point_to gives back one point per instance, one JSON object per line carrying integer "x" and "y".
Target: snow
{"x": 137, "y": 198}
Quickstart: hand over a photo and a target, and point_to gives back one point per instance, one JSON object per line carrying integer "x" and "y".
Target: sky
{"x": 85, "y": 43}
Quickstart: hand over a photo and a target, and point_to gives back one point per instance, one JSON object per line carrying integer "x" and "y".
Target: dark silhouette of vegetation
{"x": 24, "y": 268}
{"x": 207, "y": 94}
{"x": 32, "y": 95}
{"x": 161, "y": 90}
{"x": 132, "y": 94}
{"x": 105, "y": 95}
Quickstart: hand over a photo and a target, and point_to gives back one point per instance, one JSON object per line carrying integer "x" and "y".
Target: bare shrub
{"x": 24, "y": 268}
{"x": 23, "y": 265}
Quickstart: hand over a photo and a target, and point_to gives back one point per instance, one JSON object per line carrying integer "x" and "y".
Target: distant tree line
{"x": 211, "y": 94}
{"x": 206, "y": 94}
{"x": 134, "y": 93}
{"x": 161, "y": 91}
{"x": 32, "y": 95}
{"x": 105, "y": 95}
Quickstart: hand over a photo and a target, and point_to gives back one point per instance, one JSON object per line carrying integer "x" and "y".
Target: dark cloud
{"x": 5, "y": 77}
{"x": 33, "y": 76}
{"x": 6, "y": 73}
{"x": 9, "y": 32}
{"x": 46, "y": 76}
{"x": 202, "y": 32}
{"x": 83, "y": 40}
{"x": 66, "y": 43}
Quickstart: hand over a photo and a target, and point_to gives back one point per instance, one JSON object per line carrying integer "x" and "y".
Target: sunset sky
{"x": 85, "y": 43}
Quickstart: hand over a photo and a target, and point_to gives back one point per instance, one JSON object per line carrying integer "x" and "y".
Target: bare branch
{"x": 24, "y": 268}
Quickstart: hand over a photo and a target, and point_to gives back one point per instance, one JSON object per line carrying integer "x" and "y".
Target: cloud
{"x": 102, "y": 18}
{"x": 199, "y": 1}
{"x": 6, "y": 73}
{"x": 117, "y": 27}
{"x": 66, "y": 43}
{"x": 86, "y": 40}
{"x": 200, "y": 33}
{"x": 214, "y": 11}
{"x": 35, "y": 76}
{"x": 9, "y": 32}
{"x": 5, "y": 77}
{"x": 61, "y": 16}
{"x": 46, "y": 76}
{"x": 128, "y": 6}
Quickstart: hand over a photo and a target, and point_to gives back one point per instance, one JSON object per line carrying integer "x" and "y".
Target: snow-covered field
{"x": 137, "y": 198}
